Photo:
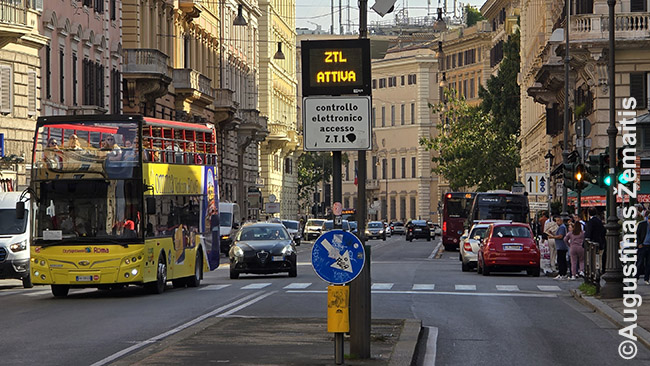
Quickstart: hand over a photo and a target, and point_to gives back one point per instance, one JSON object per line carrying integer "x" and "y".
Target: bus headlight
{"x": 17, "y": 247}
{"x": 237, "y": 251}
{"x": 134, "y": 272}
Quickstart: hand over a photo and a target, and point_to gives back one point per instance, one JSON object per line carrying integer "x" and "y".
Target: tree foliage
{"x": 473, "y": 15}
{"x": 478, "y": 147}
{"x": 314, "y": 168}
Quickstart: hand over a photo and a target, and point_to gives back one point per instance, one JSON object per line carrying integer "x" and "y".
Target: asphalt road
{"x": 501, "y": 319}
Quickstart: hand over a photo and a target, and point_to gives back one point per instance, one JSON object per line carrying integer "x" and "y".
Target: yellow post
{"x": 338, "y": 314}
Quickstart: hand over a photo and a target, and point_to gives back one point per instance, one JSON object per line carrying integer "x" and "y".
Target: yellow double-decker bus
{"x": 120, "y": 200}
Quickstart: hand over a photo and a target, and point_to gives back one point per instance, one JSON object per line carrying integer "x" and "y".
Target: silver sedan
{"x": 469, "y": 246}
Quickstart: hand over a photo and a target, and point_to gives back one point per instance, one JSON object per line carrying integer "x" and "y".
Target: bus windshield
{"x": 97, "y": 149}
{"x": 457, "y": 205}
{"x": 501, "y": 207}
{"x": 79, "y": 211}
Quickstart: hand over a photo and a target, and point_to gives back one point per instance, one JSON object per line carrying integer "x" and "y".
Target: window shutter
{"x": 638, "y": 88}
{"x": 638, "y": 5}
{"x": 6, "y": 87}
{"x": 31, "y": 93}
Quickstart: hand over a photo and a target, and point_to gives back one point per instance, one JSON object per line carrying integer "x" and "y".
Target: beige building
{"x": 543, "y": 73}
{"x": 20, "y": 77}
{"x": 198, "y": 61}
{"x": 277, "y": 93}
{"x": 399, "y": 178}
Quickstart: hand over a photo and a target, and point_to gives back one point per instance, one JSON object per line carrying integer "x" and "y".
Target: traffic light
{"x": 597, "y": 168}
{"x": 570, "y": 175}
{"x": 580, "y": 175}
{"x": 621, "y": 176}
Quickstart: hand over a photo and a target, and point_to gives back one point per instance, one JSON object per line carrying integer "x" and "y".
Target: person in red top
{"x": 575, "y": 238}
{"x": 129, "y": 228}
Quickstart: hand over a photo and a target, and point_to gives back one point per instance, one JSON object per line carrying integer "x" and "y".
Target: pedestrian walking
{"x": 595, "y": 231}
{"x": 550, "y": 229}
{"x": 575, "y": 238}
{"x": 643, "y": 242}
{"x": 561, "y": 248}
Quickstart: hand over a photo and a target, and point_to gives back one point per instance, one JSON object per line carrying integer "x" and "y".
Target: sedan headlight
{"x": 287, "y": 250}
{"x": 18, "y": 246}
{"x": 367, "y": 232}
{"x": 381, "y": 231}
{"x": 237, "y": 251}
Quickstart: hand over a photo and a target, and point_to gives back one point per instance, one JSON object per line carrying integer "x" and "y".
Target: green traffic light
{"x": 622, "y": 179}
{"x": 607, "y": 180}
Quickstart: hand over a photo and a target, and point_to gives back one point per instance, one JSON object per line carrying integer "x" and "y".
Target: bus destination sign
{"x": 336, "y": 67}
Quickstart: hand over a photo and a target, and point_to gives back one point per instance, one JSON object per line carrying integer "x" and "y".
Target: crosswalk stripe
{"x": 421, "y": 286}
{"x": 549, "y": 288}
{"x": 297, "y": 285}
{"x": 465, "y": 287}
{"x": 507, "y": 288}
{"x": 255, "y": 286}
{"x": 381, "y": 286}
{"x": 213, "y": 287}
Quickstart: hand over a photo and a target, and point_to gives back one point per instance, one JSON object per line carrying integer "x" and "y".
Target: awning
{"x": 594, "y": 195}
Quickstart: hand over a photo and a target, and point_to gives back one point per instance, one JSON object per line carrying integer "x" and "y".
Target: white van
{"x": 229, "y": 220}
{"x": 14, "y": 239}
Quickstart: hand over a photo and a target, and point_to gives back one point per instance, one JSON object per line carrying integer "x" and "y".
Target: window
{"x": 374, "y": 83}
{"x": 412, "y": 113}
{"x": 393, "y": 209}
{"x": 48, "y": 72}
{"x": 61, "y": 75}
{"x": 391, "y": 81}
{"x": 402, "y": 79}
{"x": 383, "y": 116}
{"x": 115, "y": 91}
{"x": 402, "y": 114}
{"x": 93, "y": 83}
{"x": 384, "y": 168}
{"x": 413, "y": 207}
{"x": 99, "y": 6}
{"x": 6, "y": 89}
{"x": 403, "y": 168}
{"x": 382, "y": 83}
{"x": 276, "y": 163}
{"x": 392, "y": 115}
{"x": 471, "y": 88}
{"x": 460, "y": 59}
{"x": 413, "y": 168}
{"x": 639, "y": 88}
{"x": 372, "y": 117}
{"x": 374, "y": 167}
{"x": 288, "y": 166}
{"x": 411, "y": 79}
{"x": 347, "y": 171}
{"x": 402, "y": 208}
{"x": 174, "y": 211}
{"x": 453, "y": 60}
{"x": 384, "y": 208}
{"x": 74, "y": 78}
{"x": 465, "y": 88}
{"x": 635, "y": 5}
{"x": 113, "y": 9}
{"x": 393, "y": 168}
{"x": 186, "y": 52}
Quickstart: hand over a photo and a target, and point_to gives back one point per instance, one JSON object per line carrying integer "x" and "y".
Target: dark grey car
{"x": 263, "y": 248}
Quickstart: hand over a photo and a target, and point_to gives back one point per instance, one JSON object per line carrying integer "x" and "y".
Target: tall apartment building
{"x": 20, "y": 73}
{"x": 543, "y": 73}
{"x": 399, "y": 173}
{"x": 198, "y": 61}
{"x": 278, "y": 83}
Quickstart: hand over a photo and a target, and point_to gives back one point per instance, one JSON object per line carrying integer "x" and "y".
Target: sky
{"x": 309, "y": 12}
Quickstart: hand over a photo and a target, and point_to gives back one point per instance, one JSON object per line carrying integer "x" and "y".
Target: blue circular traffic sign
{"x": 338, "y": 257}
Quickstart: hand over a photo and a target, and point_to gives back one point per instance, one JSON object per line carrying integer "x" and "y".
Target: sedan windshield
{"x": 262, "y": 233}
{"x": 375, "y": 225}
{"x": 9, "y": 224}
{"x": 290, "y": 224}
{"x": 478, "y": 232}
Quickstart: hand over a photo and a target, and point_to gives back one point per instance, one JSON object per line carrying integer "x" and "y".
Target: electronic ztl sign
{"x": 336, "y": 67}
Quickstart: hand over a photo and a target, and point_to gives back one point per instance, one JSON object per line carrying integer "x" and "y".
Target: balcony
{"x": 595, "y": 27}
{"x": 13, "y": 21}
{"x": 191, "y": 8}
{"x": 193, "y": 86}
{"x": 372, "y": 184}
{"x": 225, "y": 108}
{"x": 146, "y": 73}
{"x": 252, "y": 128}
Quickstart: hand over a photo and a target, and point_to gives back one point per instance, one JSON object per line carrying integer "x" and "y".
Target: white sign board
{"x": 272, "y": 207}
{"x": 336, "y": 123}
{"x": 538, "y": 206}
{"x": 536, "y": 184}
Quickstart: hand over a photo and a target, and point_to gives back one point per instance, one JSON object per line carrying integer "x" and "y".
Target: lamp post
{"x": 565, "y": 151}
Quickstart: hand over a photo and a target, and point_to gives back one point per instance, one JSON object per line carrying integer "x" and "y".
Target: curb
{"x": 610, "y": 314}
{"x": 404, "y": 350}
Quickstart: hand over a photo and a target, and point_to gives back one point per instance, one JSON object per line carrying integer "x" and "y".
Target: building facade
{"x": 400, "y": 184}
{"x": 20, "y": 76}
{"x": 277, "y": 93}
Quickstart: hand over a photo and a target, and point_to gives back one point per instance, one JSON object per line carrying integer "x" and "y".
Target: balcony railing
{"x": 13, "y": 11}
{"x": 142, "y": 60}
{"x": 191, "y": 79}
{"x": 223, "y": 98}
{"x": 595, "y": 26}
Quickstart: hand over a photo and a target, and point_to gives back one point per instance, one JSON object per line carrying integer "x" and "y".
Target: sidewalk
{"x": 612, "y": 309}
{"x": 275, "y": 341}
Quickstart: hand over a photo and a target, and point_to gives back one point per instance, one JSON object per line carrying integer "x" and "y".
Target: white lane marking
{"x": 381, "y": 286}
{"x": 257, "y": 296}
{"x": 255, "y": 286}
{"x": 213, "y": 287}
{"x": 430, "y": 352}
{"x": 234, "y": 310}
{"x": 507, "y": 288}
{"x": 548, "y": 288}
{"x": 297, "y": 286}
{"x": 393, "y": 292}
{"x": 423, "y": 286}
{"x": 435, "y": 251}
{"x": 465, "y": 287}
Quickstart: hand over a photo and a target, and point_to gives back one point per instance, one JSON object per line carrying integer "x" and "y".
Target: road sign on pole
{"x": 337, "y": 257}
{"x": 536, "y": 184}
{"x": 336, "y": 123}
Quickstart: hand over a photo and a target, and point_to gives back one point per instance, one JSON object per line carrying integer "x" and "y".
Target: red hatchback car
{"x": 508, "y": 247}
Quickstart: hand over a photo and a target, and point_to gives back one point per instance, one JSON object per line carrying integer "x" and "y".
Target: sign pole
{"x": 337, "y": 189}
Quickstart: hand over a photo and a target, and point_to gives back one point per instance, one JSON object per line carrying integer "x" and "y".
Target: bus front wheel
{"x": 158, "y": 287}
{"x": 195, "y": 281}
{"x": 60, "y": 290}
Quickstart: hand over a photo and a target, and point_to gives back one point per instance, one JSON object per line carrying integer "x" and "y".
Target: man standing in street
{"x": 561, "y": 247}
{"x": 550, "y": 228}
{"x": 595, "y": 231}
{"x": 643, "y": 242}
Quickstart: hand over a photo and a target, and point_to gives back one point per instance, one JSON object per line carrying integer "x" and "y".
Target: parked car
{"x": 388, "y": 230}
{"x": 432, "y": 229}
{"x": 469, "y": 246}
{"x": 329, "y": 225}
{"x": 263, "y": 248}
{"x": 375, "y": 230}
{"x": 437, "y": 229}
{"x": 417, "y": 229}
{"x": 14, "y": 238}
{"x": 397, "y": 227}
{"x": 293, "y": 227}
{"x": 508, "y": 246}
{"x": 312, "y": 229}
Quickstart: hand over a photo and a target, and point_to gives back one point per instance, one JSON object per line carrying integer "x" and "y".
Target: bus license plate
{"x": 84, "y": 278}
